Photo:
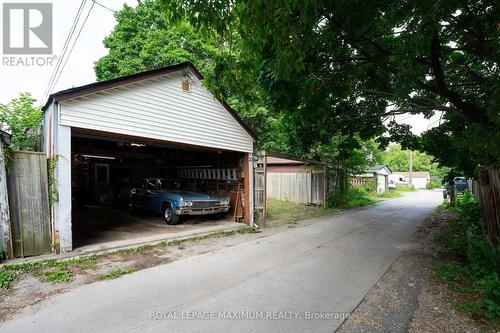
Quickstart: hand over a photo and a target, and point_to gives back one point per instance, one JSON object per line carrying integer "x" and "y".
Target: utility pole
{"x": 411, "y": 168}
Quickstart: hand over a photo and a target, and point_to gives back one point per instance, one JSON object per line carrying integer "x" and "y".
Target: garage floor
{"x": 99, "y": 228}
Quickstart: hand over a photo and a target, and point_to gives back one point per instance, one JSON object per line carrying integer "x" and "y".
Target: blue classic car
{"x": 175, "y": 198}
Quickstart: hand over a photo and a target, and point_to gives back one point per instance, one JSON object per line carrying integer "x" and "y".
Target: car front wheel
{"x": 169, "y": 215}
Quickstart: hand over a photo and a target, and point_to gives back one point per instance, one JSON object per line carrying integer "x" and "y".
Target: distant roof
{"x": 102, "y": 85}
{"x": 277, "y": 160}
{"x": 415, "y": 174}
{"x": 378, "y": 167}
{"x": 283, "y": 159}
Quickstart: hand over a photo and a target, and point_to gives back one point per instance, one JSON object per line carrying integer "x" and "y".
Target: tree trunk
{"x": 453, "y": 193}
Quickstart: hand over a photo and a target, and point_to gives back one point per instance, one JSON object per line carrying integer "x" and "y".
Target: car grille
{"x": 205, "y": 204}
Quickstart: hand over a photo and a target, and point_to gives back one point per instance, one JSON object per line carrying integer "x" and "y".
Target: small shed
{"x": 377, "y": 175}
{"x": 418, "y": 179}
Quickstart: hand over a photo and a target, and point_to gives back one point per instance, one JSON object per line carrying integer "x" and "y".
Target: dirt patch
{"x": 32, "y": 285}
{"x": 406, "y": 299}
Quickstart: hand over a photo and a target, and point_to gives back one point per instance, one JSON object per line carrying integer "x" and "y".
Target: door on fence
{"x": 260, "y": 189}
{"x": 317, "y": 188}
{"x": 29, "y": 204}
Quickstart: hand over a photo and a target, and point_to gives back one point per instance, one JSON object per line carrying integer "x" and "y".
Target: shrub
{"x": 405, "y": 187}
{"x": 352, "y": 197}
{"x": 433, "y": 184}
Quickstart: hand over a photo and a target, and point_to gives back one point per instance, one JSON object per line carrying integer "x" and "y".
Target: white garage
{"x": 161, "y": 123}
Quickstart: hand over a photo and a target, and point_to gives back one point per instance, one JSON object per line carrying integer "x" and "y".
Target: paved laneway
{"x": 324, "y": 268}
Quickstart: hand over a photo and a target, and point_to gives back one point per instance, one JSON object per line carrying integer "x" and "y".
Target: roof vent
{"x": 186, "y": 85}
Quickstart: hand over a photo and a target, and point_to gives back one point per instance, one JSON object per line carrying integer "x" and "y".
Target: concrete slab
{"x": 108, "y": 230}
{"x": 174, "y": 233}
{"x": 93, "y": 225}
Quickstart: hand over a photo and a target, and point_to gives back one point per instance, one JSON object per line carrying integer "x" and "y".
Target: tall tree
{"x": 349, "y": 65}
{"x": 144, "y": 39}
{"x": 22, "y": 120}
{"x": 399, "y": 160}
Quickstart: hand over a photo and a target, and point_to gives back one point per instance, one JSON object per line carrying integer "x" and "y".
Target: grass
{"x": 390, "y": 194}
{"x": 405, "y": 188}
{"x": 114, "y": 274}
{"x": 134, "y": 250}
{"x": 282, "y": 212}
{"x": 90, "y": 266}
{"x": 470, "y": 299}
{"x": 385, "y": 195}
{"x": 219, "y": 234}
{"x": 471, "y": 266}
{"x": 57, "y": 270}
{"x": 59, "y": 275}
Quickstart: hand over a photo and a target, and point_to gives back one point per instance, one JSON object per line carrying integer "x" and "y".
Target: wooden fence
{"x": 489, "y": 197}
{"x": 300, "y": 187}
{"x": 361, "y": 181}
{"x": 29, "y": 204}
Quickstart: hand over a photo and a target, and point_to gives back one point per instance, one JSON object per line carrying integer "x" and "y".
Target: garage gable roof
{"x": 120, "y": 81}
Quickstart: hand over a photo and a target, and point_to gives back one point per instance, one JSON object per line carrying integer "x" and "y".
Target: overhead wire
{"x": 74, "y": 43}
{"x": 64, "y": 49}
{"x": 103, "y": 6}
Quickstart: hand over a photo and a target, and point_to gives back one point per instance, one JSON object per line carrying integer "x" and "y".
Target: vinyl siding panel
{"x": 157, "y": 108}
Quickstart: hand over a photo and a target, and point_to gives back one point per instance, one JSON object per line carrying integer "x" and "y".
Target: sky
{"x": 79, "y": 68}
{"x": 88, "y": 49}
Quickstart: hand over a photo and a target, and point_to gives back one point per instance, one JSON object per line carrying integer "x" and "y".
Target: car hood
{"x": 190, "y": 195}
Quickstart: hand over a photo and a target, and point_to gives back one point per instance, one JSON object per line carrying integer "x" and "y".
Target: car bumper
{"x": 201, "y": 211}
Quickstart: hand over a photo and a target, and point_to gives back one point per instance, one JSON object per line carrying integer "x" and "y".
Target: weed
{"x": 450, "y": 271}
{"x": 56, "y": 270}
{"x": 6, "y": 278}
{"x": 280, "y": 212}
{"x": 405, "y": 188}
{"x": 134, "y": 250}
{"x": 388, "y": 194}
{"x": 89, "y": 266}
{"x": 58, "y": 275}
{"x": 351, "y": 198}
{"x": 475, "y": 271}
{"x": 114, "y": 274}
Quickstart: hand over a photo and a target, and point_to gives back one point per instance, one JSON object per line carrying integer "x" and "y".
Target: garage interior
{"x": 104, "y": 168}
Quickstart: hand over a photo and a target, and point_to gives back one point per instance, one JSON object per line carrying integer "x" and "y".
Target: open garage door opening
{"x": 124, "y": 188}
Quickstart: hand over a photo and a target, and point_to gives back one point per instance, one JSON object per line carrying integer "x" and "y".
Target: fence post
{"x": 5, "y": 234}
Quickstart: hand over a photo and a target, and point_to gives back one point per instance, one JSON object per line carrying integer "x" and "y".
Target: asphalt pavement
{"x": 307, "y": 279}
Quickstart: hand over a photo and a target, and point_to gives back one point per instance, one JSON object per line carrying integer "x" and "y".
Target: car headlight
{"x": 224, "y": 202}
{"x": 187, "y": 203}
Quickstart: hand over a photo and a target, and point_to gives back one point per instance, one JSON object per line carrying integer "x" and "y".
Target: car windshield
{"x": 181, "y": 185}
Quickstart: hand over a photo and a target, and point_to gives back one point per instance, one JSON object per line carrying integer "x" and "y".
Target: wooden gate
{"x": 318, "y": 185}
{"x": 29, "y": 204}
